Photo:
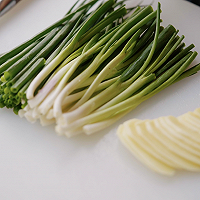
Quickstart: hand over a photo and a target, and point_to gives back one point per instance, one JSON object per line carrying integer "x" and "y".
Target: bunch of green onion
{"x": 93, "y": 66}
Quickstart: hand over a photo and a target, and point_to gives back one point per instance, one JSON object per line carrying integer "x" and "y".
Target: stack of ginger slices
{"x": 165, "y": 144}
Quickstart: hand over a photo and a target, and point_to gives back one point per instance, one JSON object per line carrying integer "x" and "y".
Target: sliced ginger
{"x": 165, "y": 144}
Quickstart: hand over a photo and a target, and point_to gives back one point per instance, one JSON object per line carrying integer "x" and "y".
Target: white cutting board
{"x": 36, "y": 164}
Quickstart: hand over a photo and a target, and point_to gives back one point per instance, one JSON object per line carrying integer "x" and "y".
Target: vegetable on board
{"x": 93, "y": 66}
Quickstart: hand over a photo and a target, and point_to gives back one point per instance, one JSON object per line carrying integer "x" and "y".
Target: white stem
{"x": 74, "y": 97}
{"x": 60, "y": 131}
{"x": 50, "y": 114}
{"x": 28, "y": 115}
{"x": 21, "y": 113}
{"x": 131, "y": 89}
{"x": 74, "y": 84}
{"x": 41, "y": 76}
{"x": 45, "y": 122}
{"x": 27, "y": 108}
{"x": 49, "y": 100}
{"x": 105, "y": 114}
{"x": 95, "y": 127}
{"x": 113, "y": 63}
{"x": 35, "y": 113}
{"x": 35, "y": 101}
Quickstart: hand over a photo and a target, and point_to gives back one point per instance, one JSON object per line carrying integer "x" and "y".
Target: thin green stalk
{"x": 64, "y": 42}
{"x": 138, "y": 67}
{"x": 12, "y": 60}
{"x": 74, "y": 5}
{"x": 102, "y": 24}
{"x": 129, "y": 91}
{"x": 76, "y": 96}
{"x": 173, "y": 60}
{"x": 33, "y": 70}
{"x": 161, "y": 61}
{"x": 193, "y": 70}
{"x": 22, "y": 91}
{"x": 168, "y": 77}
{"x": 21, "y": 63}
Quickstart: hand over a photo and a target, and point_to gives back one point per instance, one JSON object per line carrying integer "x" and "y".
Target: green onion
{"x": 18, "y": 49}
{"x": 92, "y": 67}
